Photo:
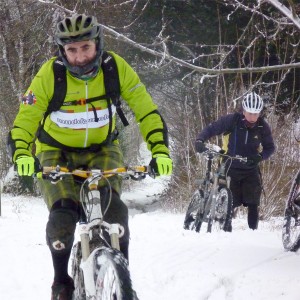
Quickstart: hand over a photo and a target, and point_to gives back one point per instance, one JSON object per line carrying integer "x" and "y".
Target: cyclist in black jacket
{"x": 247, "y": 134}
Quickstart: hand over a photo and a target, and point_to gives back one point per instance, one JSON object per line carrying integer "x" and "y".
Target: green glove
{"x": 25, "y": 165}
{"x": 161, "y": 164}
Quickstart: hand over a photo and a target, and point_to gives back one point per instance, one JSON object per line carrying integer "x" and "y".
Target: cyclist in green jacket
{"x": 81, "y": 135}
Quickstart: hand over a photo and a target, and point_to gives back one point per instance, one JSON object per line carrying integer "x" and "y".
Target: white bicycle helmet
{"x": 252, "y": 103}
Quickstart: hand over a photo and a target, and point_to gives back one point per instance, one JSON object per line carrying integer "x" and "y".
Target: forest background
{"x": 197, "y": 58}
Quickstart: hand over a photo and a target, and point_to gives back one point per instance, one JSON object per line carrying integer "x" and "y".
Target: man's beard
{"x": 83, "y": 64}
{"x": 87, "y": 70}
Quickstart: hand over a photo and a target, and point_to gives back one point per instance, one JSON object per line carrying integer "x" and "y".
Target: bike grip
{"x": 41, "y": 175}
{"x": 38, "y": 175}
{"x": 152, "y": 173}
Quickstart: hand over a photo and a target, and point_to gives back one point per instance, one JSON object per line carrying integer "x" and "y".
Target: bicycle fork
{"x": 87, "y": 264}
{"x": 115, "y": 231}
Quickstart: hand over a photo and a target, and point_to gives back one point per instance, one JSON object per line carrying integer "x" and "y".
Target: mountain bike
{"x": 99, "y": 269}
{"x": 212, "y": 200}
{"x": 291, "y": 222}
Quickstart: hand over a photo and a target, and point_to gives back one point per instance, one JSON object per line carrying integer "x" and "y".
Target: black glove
{"x": 200, "y": 146}
{"x": 253, "y": 160}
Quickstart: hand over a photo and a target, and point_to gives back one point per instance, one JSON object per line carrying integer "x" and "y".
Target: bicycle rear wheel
{"x": 223, "y": 210}
{"x": 291, "y": 222}
{"x": 195, "y": 209}
{"x": 112, "y": 277}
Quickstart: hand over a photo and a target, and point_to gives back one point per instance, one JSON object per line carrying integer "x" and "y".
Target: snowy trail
{"x": 166, "y": 261}
{"x": 239, "y": 265}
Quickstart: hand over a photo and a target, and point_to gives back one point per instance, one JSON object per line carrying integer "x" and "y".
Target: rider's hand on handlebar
{"x": 25, "y": 165}
{"x": 253, "y": 160}
{"x": 200, "y": 146}
{"x": 161, "y": 164}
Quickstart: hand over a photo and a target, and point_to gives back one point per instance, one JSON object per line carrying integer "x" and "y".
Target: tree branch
{"x": 170, "y": 58}
{"x": 52, "y": 3}
{"x": 183, "y": 63}
{"x": 291, "y": 15}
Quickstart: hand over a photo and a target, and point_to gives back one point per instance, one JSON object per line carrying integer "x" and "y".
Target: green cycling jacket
{"x": 75, "y": 126}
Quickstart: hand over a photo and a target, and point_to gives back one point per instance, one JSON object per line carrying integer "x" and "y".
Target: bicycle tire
{"x": 195, "y": 207}
{"x": 223, "y": 213}
{"x": 198, "y": 220}
{"x": 291, "y": 222}
{"x": 112, "y": 277}
{"x": 77, "y": 274}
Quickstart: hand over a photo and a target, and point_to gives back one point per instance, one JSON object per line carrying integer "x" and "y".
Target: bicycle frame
{"x": 212, "y": 201}
{"x": 209, "y": 206}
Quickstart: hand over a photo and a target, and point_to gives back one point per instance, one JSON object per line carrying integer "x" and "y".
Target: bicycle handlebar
{"x": 217, "y": 151}
{"x": 136, "y": 172}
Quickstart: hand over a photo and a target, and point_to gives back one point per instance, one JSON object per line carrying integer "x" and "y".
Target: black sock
{"x": 60, "y": 264}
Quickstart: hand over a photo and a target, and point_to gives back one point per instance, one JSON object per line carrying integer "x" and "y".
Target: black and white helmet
{"x": 252, "y": 103}
{"x": 77, "y": 28}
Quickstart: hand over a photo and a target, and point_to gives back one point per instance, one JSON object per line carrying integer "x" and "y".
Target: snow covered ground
{"x": 166, "y": 262}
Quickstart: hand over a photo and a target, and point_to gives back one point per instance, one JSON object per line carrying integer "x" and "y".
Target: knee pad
{"x": 60, "y": 229}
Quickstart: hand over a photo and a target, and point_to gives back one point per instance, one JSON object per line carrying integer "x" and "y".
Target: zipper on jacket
{"x": 87, "y": 115}
{"x": 246, "y": 138}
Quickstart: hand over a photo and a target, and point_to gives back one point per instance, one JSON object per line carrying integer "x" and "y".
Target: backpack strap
{"x": 112, "y": 83}
{"x": 60, "y": 89}
{"x": 112, "y": 95}
{"x": 59, "y": 94}
{"x": 60, "y": 86}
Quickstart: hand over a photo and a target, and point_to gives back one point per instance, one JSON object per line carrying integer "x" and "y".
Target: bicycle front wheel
{"x": 195, "y": 211}
{"x": 291, "y": 222}
{"x": 223, "y": 210}
{"x": 112, "y": 277}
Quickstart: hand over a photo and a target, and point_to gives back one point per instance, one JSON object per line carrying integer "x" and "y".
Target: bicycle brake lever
{"x": 138, "y": 176}
{"x": 55, "y": 177}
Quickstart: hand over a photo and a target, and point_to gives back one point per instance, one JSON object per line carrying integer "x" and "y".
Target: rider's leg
{"x": 236, "y": 191}
{"x": 253, "y": 216}
{"x": 63, "y": 216}
{"x": 60, "y": 229}
{"x": 252, "y": 189}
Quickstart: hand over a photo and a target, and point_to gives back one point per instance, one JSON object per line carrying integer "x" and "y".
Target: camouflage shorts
{"x": 109, "y": 157}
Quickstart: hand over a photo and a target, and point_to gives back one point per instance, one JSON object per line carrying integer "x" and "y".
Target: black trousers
{"x": 246, "y": 189}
